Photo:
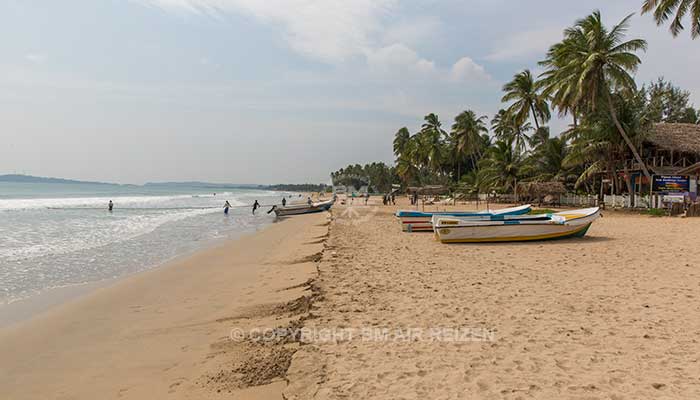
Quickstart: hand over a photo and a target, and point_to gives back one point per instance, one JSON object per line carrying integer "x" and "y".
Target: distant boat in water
{"x": 417, "y": 221}
{"x": 561, "y": 225}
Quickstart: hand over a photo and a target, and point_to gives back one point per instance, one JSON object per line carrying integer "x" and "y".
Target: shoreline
{"x": 26, "y": 308}
{"x": 164, "y": 331}
{"x": 583, "y": 317}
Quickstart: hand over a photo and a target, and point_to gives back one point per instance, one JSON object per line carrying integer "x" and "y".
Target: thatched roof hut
{"x": 537, "y": 190}
{"x": 433, "y": 190}
{"x": 429, "y": 190}
{"x": 682, "y": 138}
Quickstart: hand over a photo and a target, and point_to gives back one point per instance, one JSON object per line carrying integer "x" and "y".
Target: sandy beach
{"x": 610, "y": 316}
{"x": 206, "y": 199}
{"x": 165, "y": 333}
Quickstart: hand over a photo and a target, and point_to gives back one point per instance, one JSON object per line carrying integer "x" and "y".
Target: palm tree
{"x": 501, "y": 166}
{"x": 599, "y": 67}
{"x": 502, "y": 124}
{"x": 431, "y": 138}
{"x": 475, "y": 182}
{"x": 540, "y": 137}
{"x": 406, "y": 163}
{"x": 547, "y": 160}
{"x": 597, "y": 145}
{"x": 522, "y": 90}
{"x": 592, "y": 151}
{"x": 663, "y": 9}
{"x": 559, "y": 81}
{"x": 505, "y": 127}
{"x": 401, "y": 139}
{"x": 432, "y": 123}
{"x": 466, "y": 137}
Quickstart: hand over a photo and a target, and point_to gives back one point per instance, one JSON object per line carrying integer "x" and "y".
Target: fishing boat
{"x": 416, "y": 221}
{"x": 297, "y": 209}
{"x": 561, "y": 225}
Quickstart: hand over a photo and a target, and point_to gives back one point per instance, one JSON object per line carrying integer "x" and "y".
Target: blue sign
{"x": 671, "y": 183}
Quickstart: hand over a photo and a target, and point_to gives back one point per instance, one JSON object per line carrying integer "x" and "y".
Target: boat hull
{"x": 304, "y": 209}
{"x": 415, "y": 221}
{"x": 514, "y": 231}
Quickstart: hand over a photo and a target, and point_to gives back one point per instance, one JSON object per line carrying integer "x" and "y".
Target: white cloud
{"x": 412, "y": 31}
{"x": 328, "y": 30}
{"x": 338, "y": 31}
{"x": 396, "y": 58}
{"x": 465, "y": 69}
{"x": 526, "y": 44}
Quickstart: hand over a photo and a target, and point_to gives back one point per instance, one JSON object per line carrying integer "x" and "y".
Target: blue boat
{"x": 418, "y": 221}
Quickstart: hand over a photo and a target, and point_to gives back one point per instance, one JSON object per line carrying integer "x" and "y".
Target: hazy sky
{"x": 267, "y": 91}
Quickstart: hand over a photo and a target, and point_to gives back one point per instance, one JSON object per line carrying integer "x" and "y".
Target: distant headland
{"x": 308, "y": 187}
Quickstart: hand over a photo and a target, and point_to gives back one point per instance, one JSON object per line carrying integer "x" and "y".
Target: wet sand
{"x": 165, "y": 333}
{"x": 609, "y": 316}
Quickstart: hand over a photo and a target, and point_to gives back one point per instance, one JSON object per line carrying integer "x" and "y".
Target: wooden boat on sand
{"x": 561, "y": 225}
{"x": 297, "y": 209}
{"x": 417, "y": 221}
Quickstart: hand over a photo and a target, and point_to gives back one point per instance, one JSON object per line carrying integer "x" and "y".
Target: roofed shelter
{"x": 668, "y": 149}
{"x": 430, "y": 190}
{"x": 546, "y": 192}
{"x": 672, "y": 148}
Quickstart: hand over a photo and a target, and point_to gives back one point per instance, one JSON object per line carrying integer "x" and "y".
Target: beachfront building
{"x": 673, "y": 149}
{"x": 671, "y": 153}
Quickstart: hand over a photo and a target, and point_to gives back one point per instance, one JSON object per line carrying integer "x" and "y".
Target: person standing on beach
{"x": 284, "y": 201}
{"x": 227, "y": 205}
{"x": 110, "y": 206}
{"x": 309, "y": 201}
{"x": 256, "y": 205}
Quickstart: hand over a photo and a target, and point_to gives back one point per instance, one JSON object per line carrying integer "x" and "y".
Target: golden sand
{"x": 611, "y": 316}
{"x": 165, "y": 333}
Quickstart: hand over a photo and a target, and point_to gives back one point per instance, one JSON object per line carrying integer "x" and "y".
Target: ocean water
{"x": 58, "y": 235}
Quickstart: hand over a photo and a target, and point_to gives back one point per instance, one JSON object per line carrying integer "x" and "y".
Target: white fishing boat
{"x": 561, "y": 225}
{"x": 417, "y": 221}
{"x": 297, "y": 209}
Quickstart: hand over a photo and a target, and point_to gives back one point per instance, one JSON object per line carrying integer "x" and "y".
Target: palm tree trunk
{"x": 459, "y": 170}
{"x": 519, "y": 139}
{"x": 534, "y": 115}
{"x": 637, "y": 157}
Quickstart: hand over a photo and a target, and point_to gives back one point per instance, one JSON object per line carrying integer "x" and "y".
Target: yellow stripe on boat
{"x": 572, "y": 216}
{"x": 519, "y": 238}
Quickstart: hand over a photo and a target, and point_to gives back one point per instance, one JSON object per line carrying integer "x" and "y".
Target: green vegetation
{"x": 663, "y": 10}
{"x": 588, "y": 76}
{"x": 378, "y": 176}
{"x": 656, "y": 212}
{"x": 304, "y": 187}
